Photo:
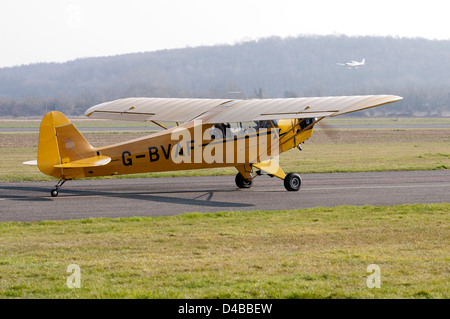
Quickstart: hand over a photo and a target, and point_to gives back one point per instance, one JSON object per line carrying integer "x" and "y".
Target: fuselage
{"x": 195, "y": 146}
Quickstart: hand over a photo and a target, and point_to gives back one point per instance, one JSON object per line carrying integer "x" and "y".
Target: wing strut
{"x": 160, "y": 125}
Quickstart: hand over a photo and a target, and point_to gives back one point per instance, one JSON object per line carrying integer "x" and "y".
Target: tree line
{"x": 415, "y": 68}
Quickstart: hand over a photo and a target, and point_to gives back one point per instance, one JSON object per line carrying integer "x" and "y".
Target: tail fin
{"x": 63, "y": 151}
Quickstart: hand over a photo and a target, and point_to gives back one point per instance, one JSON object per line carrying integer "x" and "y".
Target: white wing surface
{"x": 153, "y": 109}
{"x": 223, "y": 110}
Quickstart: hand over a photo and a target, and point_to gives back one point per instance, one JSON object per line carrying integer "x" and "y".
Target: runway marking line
{"x": 371, "y": 187}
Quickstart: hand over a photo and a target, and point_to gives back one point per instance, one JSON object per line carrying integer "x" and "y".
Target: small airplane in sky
{"x": 245, "y": 134}
{"x": 353, "y": 64}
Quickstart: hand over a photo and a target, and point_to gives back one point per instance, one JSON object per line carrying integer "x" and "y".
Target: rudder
{"x": 60, "y": 143}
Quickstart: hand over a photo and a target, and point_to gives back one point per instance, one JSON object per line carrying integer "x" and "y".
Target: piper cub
{"x": 209, "y": 133}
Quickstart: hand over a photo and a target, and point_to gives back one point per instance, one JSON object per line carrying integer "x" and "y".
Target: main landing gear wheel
{"x": 241, "y": 182}
{"x": 292, "y": 182}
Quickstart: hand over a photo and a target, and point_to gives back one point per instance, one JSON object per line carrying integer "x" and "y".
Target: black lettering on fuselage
{"x": 127, "y": 161}
{"x": 166, "y": 155}
{"x": 179, "y": 150}
{"x": 153, "y": 153}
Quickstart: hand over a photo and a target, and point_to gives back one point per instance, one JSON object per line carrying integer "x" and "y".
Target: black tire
{"x": 241, "y": 182}
{"x": 54, "y": 192}
{"x": 292, "y": 182}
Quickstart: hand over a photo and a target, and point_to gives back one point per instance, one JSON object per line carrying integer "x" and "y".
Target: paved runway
{"x": 31, "y": 201}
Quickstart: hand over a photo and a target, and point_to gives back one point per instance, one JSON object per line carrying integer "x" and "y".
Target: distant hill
{"x": 417, "y": 69}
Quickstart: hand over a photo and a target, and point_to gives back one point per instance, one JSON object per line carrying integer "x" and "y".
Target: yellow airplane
{"x": 246, "y": 134}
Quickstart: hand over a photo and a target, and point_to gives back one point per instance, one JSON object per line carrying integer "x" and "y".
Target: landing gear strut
{"x": 55, "y": 191}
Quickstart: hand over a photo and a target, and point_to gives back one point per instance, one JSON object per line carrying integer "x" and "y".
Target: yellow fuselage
{"x": 186, "y": 147}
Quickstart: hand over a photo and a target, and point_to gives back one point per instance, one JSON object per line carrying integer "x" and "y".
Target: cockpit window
{"x": 222, "y": 130}
{"x": 266, "y": 123}
{"x": 306, "y": 122}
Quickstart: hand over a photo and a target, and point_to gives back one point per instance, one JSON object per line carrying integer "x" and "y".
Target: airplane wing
{"x": 154, "y": 109}
{"x": 223, "y": 110}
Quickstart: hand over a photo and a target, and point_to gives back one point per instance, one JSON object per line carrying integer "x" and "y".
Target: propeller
{"x": 329, "y": 130}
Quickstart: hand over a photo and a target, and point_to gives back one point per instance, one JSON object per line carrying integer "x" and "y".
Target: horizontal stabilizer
{"x": 33, "y": 163}
{"x": 86, "y": 162}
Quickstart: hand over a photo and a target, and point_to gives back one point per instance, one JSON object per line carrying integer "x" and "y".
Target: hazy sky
{"x": 60, "y": 30}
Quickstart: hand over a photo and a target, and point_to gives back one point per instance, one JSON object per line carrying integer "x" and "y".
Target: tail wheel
{"x": 292, "y": 182}
{"x": 55, "y": 191}
{"x": 241, "y": 182}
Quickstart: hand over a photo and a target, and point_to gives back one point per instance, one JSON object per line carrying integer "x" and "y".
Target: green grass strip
{"x": 306, "y": 253}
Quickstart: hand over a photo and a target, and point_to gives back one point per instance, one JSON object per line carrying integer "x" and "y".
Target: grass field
{"x": 307, "y": 253}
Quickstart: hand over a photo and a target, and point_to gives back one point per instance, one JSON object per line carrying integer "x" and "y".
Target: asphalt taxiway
{"x": 31, "y": 201}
